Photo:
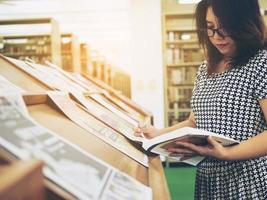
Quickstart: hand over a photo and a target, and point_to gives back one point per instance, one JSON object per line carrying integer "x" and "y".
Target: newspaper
{"x": 96, "y": 127}
{"x": 108, "y": 117}
{"x": 104, "y": 102}
{"x": 76, "y": 171}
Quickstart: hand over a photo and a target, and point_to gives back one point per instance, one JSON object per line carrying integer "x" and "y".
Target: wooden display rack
{"x": 29, "y": 83}
{"x": 22, "y": 181}
{"x": 43, "y": 110}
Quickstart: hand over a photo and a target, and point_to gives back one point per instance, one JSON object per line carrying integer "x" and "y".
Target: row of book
{"x": 182, "y": 75}
{"x": 39, "y": 45}
{"x": 176, "y": 117}
{"x": 177, "y": 54}
{"x": 173, "y": 36}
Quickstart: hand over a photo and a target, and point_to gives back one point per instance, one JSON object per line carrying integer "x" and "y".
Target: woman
{"x": 229, "y": 98}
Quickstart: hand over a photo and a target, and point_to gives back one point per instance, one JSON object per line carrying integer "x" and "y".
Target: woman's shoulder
{"x": 256, "y": 67}
{"x": 203, "y": 68}
{"x": 260, "y": 58}
{"x": 258, "y": 62}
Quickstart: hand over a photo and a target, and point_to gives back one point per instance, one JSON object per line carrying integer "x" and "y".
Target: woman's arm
{"x": 189, "y": 122}
{"x": 248, "y": 149}
{"x": 150, "y": 131}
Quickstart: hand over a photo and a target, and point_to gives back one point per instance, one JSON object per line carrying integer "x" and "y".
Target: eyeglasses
{"x": 221, "y": 32}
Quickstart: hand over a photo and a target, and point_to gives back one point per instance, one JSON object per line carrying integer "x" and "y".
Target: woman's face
{"x": 218, "y": 36}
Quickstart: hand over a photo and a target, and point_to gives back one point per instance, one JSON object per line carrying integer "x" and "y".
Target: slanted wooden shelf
{"x": 22, "y": 180}
{"x": 48, "y": 115}
{"x": 45, "y": 113}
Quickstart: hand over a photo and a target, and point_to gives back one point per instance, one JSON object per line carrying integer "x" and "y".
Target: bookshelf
{"x": 110, "y": 74}
{"x": 85, "y": 58}
{"x": 121, "y": 81}
{"x": 182, "y": 56}
{"x": 70, "y": 51}
{"x": 37, "y": 47}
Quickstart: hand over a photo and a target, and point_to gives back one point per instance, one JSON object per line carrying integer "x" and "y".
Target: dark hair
{"x": 241, "y": 20}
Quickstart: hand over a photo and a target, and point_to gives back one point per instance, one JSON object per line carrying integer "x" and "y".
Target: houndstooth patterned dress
{"x": 227, "y": 104}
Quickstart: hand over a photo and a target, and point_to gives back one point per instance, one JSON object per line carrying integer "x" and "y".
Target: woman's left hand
{"x": 213, "y": 149}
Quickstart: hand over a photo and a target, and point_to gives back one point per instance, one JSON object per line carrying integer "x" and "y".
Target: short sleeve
{"x": 201, "y": 73}
{"x": 260, "y": 82}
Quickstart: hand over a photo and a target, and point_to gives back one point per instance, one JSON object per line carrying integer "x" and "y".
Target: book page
{"x": 162, "y": 143}
{"x": 96, "y": 127}
{"x": 68, "y": 166}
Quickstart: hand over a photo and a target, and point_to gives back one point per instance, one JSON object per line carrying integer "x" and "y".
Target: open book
{"x": 160, "y": 144}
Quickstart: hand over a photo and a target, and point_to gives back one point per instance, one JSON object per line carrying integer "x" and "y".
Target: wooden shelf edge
{"x": 157, "y": 180}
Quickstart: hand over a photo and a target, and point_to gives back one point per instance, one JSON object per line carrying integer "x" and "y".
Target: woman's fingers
{"x": 179, "y": 150}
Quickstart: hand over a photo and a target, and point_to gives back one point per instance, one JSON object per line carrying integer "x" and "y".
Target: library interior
{"x": 84, "y": 76}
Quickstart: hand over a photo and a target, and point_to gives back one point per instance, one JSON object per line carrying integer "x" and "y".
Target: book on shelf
{"x": 162, "y": 143}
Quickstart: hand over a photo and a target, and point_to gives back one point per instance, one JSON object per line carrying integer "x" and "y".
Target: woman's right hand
{"x": 147, "y": 131}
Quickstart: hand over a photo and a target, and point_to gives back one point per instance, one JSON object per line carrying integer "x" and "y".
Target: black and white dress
{"x": 227, "y": 103}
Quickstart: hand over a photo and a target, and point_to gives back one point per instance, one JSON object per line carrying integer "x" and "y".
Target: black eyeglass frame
{"x": 218, "y": 31}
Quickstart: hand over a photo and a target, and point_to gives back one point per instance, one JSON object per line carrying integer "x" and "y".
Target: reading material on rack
{"x": 162, "y": 143}
{"x": 80, "y": 116}
{"x": 107, "y": 117}
{"x": 97, "y": 97}
{"x": 93, "y": 87}
{"x": 56, "y": 80}
{"x": 68, "y": 166}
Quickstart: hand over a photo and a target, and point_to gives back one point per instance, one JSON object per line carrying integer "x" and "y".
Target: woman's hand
{"x": 147, "y": 131}
{"x": 213, "y": 149}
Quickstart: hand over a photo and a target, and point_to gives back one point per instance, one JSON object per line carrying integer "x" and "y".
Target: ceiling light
{"x": 188, "y": 1}
{"x": 185, "y": 37}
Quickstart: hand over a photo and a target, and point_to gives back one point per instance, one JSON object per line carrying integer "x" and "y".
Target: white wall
{"x": 103, "y": 24}
{"x": 147, "y": 79}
